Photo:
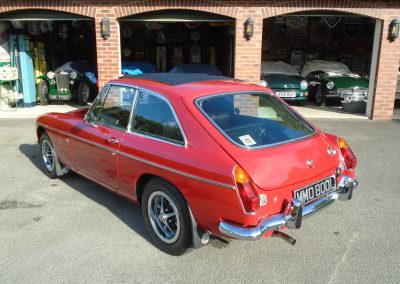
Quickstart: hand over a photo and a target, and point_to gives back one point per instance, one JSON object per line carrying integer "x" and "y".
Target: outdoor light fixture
{"x": 394, "y": 30}
{"x": 248, "y": 26}
{"x": 105, "y": 28}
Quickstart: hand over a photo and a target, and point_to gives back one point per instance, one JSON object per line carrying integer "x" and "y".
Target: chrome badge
{"x": 310, "y": 163}
{"x": 331, "y": 151}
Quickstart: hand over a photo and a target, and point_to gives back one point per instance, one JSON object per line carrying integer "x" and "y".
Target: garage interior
{"x": 158, "y": 41}
{"x": 321, "y": 35}
{"x": 39, "y": 41}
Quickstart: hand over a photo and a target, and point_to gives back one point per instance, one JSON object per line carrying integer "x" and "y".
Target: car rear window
{"x": 254, "y": 120}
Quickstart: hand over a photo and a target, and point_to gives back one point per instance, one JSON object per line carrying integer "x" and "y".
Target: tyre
{"x": 43, "y": 93}
{"x": 166, "y": 216}
{"x": 301, "y": 102}
{"x": 49, "y": 158}
{"x": 84, "y": 91}
{"x": 320, "y": 99}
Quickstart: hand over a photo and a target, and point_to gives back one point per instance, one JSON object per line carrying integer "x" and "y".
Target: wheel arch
{"x": 39, "y": 131}
{"x": 197, "y": 232}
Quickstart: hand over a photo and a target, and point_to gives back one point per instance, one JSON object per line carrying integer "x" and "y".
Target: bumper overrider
{"x": 291, "y": 220}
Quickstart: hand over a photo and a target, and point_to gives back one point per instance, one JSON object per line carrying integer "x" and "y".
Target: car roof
{"x": 187, "y": 85}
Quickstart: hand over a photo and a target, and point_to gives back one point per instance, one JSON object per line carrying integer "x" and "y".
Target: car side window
{"x": 154, "y": 117}
{"x": 116, "y": 108}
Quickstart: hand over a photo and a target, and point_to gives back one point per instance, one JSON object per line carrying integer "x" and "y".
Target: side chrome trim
{"x": 140, "y": 159}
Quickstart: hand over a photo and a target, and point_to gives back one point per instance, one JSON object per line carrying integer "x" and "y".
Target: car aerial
{"x": 204, "y": 156}
{"x": 334, "y": 80}
{"x": 285, "y": 81}
{"x": 398, "y": 85}
{"x": 73, "y": 80}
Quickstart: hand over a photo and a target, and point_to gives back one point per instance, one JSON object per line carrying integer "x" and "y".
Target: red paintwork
{"x": 276, "y": 171}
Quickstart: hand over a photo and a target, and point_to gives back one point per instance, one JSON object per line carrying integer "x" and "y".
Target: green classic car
{"x": 334, "y": 80}
{"x": 73, "y": 80}
{"x": 285, "y": 81}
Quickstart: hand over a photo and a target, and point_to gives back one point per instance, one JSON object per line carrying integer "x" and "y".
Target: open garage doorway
{"x": 334, "y": 52}
{"x": 177, "y": 41}
{"x": 54, "y": 54}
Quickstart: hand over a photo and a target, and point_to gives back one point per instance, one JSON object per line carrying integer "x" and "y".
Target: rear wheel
{"x": 49, "y": 158}
{"x": 83, "y": 92}
{"x": 166, "y": 216}
{"x": 43, "y": 93}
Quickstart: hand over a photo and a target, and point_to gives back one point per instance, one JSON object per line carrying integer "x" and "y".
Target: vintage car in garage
{"x": 204, "y": 156}
{"x": 334, "y": 80}
{"x": 285, "y": 81}
{"x": 72, "y": 80}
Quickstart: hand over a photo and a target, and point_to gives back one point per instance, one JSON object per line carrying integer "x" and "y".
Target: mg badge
{"x": 331, "y": 151}
{"x": 310, "y": 163}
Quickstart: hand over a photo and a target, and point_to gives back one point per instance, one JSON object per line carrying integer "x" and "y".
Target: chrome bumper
{"x": 292, "y": 220}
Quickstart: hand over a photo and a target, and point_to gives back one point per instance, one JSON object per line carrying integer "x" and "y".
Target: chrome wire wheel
{"x": 164, "y": 217}
{"x": 48, "y": 155}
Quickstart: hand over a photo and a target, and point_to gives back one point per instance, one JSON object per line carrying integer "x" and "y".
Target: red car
{"x": 204, "y": 156}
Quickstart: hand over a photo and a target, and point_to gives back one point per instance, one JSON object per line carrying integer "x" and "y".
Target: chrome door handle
{"x": 112, "y": 140}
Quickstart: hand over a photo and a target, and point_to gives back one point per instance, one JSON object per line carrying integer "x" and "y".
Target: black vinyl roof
{"x": 178, "y": 78}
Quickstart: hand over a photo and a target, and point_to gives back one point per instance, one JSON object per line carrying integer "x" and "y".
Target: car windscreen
{"x": 254, "y": 120}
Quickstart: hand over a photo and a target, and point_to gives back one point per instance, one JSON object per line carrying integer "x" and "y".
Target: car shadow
{"x": 125, "y": 210}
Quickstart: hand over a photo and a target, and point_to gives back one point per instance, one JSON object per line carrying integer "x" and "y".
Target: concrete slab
{"x": 310, "y": 111}
{"x": 36, "y": 111}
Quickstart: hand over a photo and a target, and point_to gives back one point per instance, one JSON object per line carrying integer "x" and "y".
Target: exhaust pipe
{"x": 282, "y": 235}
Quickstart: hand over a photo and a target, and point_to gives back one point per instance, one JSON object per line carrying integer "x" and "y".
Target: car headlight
{"x": 73, "y": 75}
{"x": 330, "y": 85}
{"x": 51, "y": 75}
{"x": 263, "y": 83}
{"x": 303, "y": 84}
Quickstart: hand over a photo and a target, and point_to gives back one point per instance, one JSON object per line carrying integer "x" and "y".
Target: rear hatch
{"x": 270, "y": 141}
{"x": 288, "y": 164}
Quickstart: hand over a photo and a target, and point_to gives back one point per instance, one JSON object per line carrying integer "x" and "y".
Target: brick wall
{"x": 247, "y": 53}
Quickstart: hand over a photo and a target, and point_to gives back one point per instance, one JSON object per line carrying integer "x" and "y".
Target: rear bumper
{"x": 292, "y": 220}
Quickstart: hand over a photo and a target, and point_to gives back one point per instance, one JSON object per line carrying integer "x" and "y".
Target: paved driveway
{"x": 71, "y": 230}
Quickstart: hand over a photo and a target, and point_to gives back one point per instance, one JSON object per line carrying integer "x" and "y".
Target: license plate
{"x": 316, "y": 190}
{"x": 59, "y": 97}
{"x": 286, "y": 94}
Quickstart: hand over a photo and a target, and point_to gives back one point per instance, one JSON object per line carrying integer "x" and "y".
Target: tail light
{"x": 248, "y": 194}
{"x": 350, "y": 159}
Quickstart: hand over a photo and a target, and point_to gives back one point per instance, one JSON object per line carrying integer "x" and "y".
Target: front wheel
{"x": 320, "y": 98}
{"x": 301, "y": 102}
{"x": 166, "y": 216}
{"x": 43, "y": 93}
{"x": 83, "y": 92}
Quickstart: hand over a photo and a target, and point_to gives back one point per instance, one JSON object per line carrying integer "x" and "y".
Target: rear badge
{"x": 331, "y": 151}
{"x": 310, "y": 163}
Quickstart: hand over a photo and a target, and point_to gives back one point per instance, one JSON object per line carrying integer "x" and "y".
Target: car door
{"x": 99, "y": 136}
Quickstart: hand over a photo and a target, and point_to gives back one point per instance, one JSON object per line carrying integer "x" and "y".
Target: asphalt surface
{"x": 72, "y": 231}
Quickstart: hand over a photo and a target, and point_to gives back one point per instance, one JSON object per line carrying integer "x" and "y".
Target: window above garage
{"x": 177, "y": 16}
{"x": 40, "y": 15}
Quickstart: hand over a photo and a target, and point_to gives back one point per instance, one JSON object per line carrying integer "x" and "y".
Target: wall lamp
{"x": 105, "y": 28}
{"x": 394, "y": 30}
{"x": 248, "y": 28}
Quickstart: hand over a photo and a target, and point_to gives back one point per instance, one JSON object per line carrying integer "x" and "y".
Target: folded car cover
{"x": 326, "y": 66}
{"x": 279, "y": 67}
